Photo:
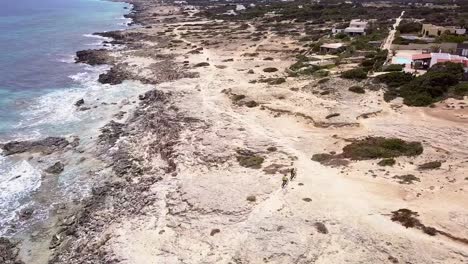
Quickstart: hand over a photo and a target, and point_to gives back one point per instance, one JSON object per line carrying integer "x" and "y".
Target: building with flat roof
{"x": 332, "y": 48}
{"x": 427, "y": 60}
{"x": 429, "y": 30}
{"x": 356, "y": 27}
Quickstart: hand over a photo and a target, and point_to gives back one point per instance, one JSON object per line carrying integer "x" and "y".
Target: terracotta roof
{"x": 421, "y": 56}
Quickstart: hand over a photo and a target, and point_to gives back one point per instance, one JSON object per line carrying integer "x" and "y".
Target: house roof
{"x": 421, "y": 56}
{"x": 358, "y": 22}
{"x": 354, "y": 29}
{"x": 332, "y": 45}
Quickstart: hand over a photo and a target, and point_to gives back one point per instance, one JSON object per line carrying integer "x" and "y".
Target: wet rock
{"x": 25, "y": 213}
{"x": 152, "y": 96}
{"x": 120, "y": 115}
{"x": 45, "y": 146}
{"x": 79, "y": 102}
{"x": 8, "y": 252}
{"x": 111, "y": 132}
{"x": 76, "y": 142}
{"x": 57, "y": 168}
{"x": 93, "y": 57}
{"x": 116, "y": 75}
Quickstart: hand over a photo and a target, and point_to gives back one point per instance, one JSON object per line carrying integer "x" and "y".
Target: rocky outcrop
{"x": 128, "y": 38}
{"x": 110, "y": 133}
{"x": 79, "y": 102}
{"x": 57, "y": 168}
{"x": 8, "y": 252}
{"x": 45, "y": 146}
{"x": 116, "y": 75}
{"x": 94, "y": 57}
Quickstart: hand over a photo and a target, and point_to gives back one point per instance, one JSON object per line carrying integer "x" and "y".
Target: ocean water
{"x": 39, "y": 83}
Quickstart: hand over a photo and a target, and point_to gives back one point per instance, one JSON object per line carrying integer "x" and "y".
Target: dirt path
{"x": 391, "y": 36}
{"x": 323, "y": 216}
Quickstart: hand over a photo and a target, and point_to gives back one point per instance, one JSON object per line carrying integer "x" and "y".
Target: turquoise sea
{"x": 39, "y": 83}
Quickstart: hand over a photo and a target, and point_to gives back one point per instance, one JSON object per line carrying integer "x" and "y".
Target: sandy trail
{"x": 280, "y": 226}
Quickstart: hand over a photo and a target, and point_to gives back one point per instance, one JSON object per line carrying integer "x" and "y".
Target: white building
{"x": 357, "y": 27}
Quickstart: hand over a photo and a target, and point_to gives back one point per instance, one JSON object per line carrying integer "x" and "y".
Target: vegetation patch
{"x": 379, "y": 147}
{"x": 324, "y": 80}
{"x": 322, "y": 157}
{"x": 332, "y": 115}
{"x": 387, "y": 162}
{"x": 214, "y": 231}
{"x": 374, "y": 61}
{"x": 249, "y": 159}
{"x": 430, "y": 165}
{"x": 394, "y": 68}
{"x": 408, "y": 219}
{"x": 237, "y": 97}
{"x": 329, "y": 160}
{"x": 354, "y": 74}
{"x": 406, "y": 179}
{"x": 357, "y": 89}
{"x": 440, "y": 82}
{"x": 273, "y": 81}
{"x": 202, "y": 64}
{"x": 272, "y": 149}
{"x": 251, "y": 198}
{"x": 407, "y": 27}
{"x": 270, "y": 69}
{"x": 321, "y": 228}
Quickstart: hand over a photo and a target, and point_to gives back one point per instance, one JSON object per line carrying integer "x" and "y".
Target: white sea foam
{"x": 17, "y": 181}
{"x": 69, "y": 58}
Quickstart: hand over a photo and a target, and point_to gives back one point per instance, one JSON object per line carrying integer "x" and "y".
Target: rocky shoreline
{"x": 75, "y": 240}
{"x": 195, "y": 166}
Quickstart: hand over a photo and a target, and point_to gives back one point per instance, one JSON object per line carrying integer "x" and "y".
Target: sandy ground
{"x": 203, "y": 215}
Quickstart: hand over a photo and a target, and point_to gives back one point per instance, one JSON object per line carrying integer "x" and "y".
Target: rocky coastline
{"x": 77, "y": 225}
{"x": 195, "y": 166}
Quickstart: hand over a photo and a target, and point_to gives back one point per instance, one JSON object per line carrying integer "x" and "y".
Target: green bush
{"x": 379, "y": 147}
{"x": 406, "y": 179}
{"x": 448, "y": 67}
{"x": 438, "y": 83}
{"x": 395, "y": 79}
{"x": 394, "y": 67}
{"x": 418, "y": 100}
{"x": 355, "y": 74}
{"x": 270, "y": 69}
{"x": 321, "y": 73}
{"x": 253, "y": 162}
{"x": 430, "y": 165}
{"x": 409, "y": 27}
{"x": 427, "y": 88}
{"x": 387, "y": 162}
{"x": 460, "y": 89}
{"x": 357, "y": 89}
{"x": 251, "y": 198}
{"x": 451, "y": 38}
{"x": 324, "y": 80}
{"x": 322, "y": 157}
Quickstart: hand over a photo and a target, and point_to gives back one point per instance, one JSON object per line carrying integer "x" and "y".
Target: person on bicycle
{"x": 285, "y": 181}
{"x": 293, "y": 173}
